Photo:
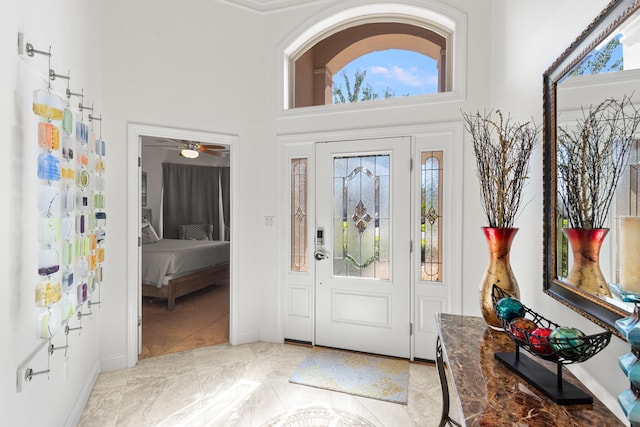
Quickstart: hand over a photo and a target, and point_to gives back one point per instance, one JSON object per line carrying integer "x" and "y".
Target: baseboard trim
{"x": 81, "y": 402}
{"x": 271, "y": 336}
{"x": 246, "y": 338}
{"x": 424, "y": 361}
{"x": 114, "y": 362}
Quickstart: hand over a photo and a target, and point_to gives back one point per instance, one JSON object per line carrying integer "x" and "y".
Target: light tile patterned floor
{"x": 245, "y": 385}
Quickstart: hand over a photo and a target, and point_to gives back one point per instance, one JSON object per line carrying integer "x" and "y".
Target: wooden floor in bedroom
{"x": 200, "y": 319}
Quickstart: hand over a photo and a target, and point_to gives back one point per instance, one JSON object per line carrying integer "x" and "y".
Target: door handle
{"x": 320, "y": 254}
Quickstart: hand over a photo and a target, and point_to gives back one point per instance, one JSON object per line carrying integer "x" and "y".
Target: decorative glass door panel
{"x": 437, "y": 229}
{"x": 431, "y": 216}
{"x": 299, "y": 214}
{"x": 362, "y": 259}
{"x": 361, "y": 216}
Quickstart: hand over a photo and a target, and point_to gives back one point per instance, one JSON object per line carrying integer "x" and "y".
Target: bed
{"x": 172, "y": 268}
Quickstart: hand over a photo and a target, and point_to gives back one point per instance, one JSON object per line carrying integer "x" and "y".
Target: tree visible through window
{"x": 385, "y": 74}
{"x": 603, "y": 60}
{"x": 369, "y": 61}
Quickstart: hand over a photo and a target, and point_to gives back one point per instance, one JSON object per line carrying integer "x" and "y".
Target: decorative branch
{"x": 592, "y": 157}
{"x": 502, "y": 150}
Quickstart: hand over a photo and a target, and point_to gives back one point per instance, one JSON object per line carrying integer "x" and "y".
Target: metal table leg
{"x": 445, "y": 420}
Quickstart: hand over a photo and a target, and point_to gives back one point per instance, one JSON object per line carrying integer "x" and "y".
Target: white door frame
{"x": 134, "y": 133}
{"x": 301, "y": 145}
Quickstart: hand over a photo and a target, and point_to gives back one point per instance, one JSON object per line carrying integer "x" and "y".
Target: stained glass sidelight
{"x": 299, "y": 215}
{"x": 361, "y": 216}
{"x": 431, "y": 216}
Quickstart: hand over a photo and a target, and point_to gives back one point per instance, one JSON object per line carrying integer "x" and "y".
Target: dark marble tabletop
{"x": 491, "y": 395}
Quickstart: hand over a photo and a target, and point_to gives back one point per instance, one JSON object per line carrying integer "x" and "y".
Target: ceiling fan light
{"x": 189, "y": 153}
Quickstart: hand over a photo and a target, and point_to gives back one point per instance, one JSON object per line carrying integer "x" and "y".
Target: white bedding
{"x": 169, "y": 258}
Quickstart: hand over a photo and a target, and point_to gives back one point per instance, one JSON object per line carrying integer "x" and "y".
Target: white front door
{"x": 363, "y": 271}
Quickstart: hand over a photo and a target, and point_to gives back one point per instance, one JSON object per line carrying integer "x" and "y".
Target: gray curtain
{"x": 190, "y": 196}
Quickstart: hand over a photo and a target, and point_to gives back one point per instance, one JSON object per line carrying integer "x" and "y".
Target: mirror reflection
{"x": 603, "y": 63}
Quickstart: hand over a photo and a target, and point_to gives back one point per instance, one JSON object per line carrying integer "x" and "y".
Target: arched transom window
{"x": 318, "y": 69}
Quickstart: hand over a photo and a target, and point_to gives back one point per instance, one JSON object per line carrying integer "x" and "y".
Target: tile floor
{"x": 245, "y": 385}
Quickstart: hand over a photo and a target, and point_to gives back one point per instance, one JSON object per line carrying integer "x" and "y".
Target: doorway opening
{"x": 199, "y": 312}
{"x": 185, "y": 203}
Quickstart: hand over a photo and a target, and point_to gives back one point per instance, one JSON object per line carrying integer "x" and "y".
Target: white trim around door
{"x": 298, "y": 288}
{"x": 134, "y": 133}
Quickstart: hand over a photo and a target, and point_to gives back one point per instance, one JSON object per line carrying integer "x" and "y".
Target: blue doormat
{"x": 354, "y": 373}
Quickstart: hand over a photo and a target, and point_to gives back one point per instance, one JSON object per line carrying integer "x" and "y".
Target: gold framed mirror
{"x": 568, "y": 91}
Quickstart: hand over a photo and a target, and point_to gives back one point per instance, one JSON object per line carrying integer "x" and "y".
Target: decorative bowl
{"x": 561, "y": 348}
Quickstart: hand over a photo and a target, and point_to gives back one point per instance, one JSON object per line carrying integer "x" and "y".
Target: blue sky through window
{"x": 603, "y": 59}
{"x": 404, "y": 72}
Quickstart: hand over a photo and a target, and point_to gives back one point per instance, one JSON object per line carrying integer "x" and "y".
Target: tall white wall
{"x": 70, "y": 28}
{"x": 190, "y": 65}
{"x": 220, "y": 72}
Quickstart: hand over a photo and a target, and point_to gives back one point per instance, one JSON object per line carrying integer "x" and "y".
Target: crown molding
{"x": 266, "y": 6}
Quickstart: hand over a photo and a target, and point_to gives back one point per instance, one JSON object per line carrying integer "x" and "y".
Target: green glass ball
{"x": 567, "y": 347}
{"x": 509, "y": 308}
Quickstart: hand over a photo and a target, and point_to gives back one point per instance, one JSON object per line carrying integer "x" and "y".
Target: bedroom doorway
{"x": 203, "y": 315}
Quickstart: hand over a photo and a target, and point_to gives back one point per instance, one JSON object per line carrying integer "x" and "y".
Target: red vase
{"x": 585, "y": 273}
{"x": 498, "y": 272}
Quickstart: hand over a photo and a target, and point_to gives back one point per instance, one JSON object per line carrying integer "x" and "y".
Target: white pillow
{"x": 149, "y": 235}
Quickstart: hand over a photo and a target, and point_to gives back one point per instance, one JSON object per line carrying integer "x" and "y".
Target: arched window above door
{"x": 319, "y": 67}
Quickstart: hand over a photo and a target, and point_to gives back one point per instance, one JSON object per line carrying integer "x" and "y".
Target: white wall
{"x": 69, "y": 27}
{"x": 216, "y": 75}
{"x": 199, "y": 75}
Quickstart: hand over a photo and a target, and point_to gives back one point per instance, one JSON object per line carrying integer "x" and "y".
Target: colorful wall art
{"x": 72, "y": 215}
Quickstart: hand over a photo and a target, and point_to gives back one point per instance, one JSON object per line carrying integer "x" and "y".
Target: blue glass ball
{"x": 509, "y": 308}
{"x": 567, "y": 347}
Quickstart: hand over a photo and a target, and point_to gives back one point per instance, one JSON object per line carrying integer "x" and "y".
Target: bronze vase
{"x": 498, "y": 272}
{"x": 585, "y": 273}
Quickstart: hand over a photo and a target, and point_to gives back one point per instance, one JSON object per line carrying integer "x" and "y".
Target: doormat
{"x": 354, "y": 373}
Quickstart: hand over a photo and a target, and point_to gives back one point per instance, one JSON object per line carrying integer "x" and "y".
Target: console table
{"x": 489, "y": 394}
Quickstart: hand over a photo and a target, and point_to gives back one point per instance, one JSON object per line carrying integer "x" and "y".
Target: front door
{"x": 363, "y": 271}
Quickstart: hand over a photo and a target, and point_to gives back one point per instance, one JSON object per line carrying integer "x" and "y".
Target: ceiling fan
{"x": 192, "y": 149}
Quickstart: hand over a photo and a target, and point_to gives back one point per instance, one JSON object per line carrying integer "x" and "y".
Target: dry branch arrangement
{"x": 502, "y": 149}
{"x": 592, "y": 157}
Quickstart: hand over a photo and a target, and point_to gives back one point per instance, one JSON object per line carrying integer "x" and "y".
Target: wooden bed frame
{"x": 186, "y": 284}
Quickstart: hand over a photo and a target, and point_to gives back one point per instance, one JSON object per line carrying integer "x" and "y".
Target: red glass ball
{"x": 539, "y": 339}
{"x": 521, "y": 326}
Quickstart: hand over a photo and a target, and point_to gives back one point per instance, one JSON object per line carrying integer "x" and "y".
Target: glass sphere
{"x": 539, "y": 339}
{"x": 520, "y": 327}
{"x": 509, "y": 308}
{"x": 568, "y": 341}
